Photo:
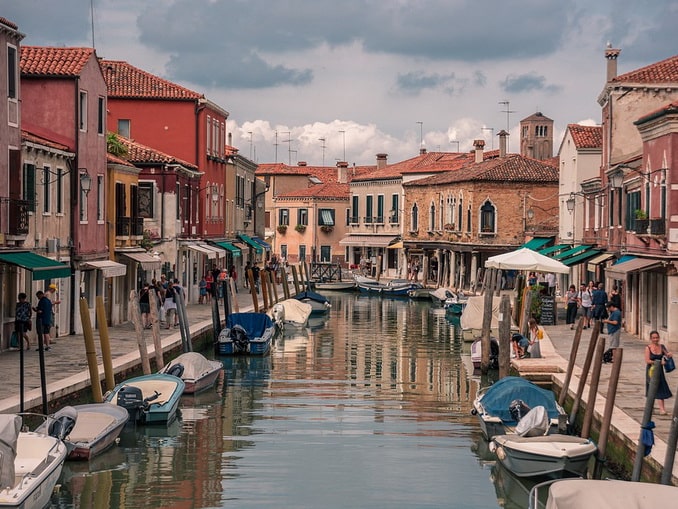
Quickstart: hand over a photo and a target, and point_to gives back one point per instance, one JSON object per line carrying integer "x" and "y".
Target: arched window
{"x": 460, "y": 208}
{"x": 432, "y": 217}
{"x": 487, "y": 217}
{"x": 415, "y": 217}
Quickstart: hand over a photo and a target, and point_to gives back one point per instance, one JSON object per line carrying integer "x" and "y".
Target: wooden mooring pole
{"x": 571, "y": 363}
{"x": 105, "y": 342}
{"x": 487, "y": 323}
{"x": 584, "y": 372}
{"x": 593, "y": 388}
{"x": 607, "y": 413}
{"x": 670, "y": 457}
{"x": 504, "y": 336}
{"x": 647, "y": 417}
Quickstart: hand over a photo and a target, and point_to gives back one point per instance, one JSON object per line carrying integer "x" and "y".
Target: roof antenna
{"x": 91, "y": 9}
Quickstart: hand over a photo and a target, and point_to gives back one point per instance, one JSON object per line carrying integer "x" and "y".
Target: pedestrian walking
{"x": 202, "y": 289}
{"x": 572, "y": 298}
{"x": 655, "y": 351}
{"x": 256, "y": 275}
{"x": 613, "y": 322}
{"x": 52, "y": 293}
{"x": 22, "y": 320}
{"x": 171, "y": 318}
{"x": 209, "y": 280}
{"x": 145, "y": 306}
{"x": 586, "y": 300}
{"x": 43, "y": 319}
{"x": 598, "y": 299}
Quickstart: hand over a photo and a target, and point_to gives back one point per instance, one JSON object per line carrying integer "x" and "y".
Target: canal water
{"x": 368, "y": 408}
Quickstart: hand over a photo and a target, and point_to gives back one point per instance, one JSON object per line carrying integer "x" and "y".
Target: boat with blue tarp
{"x": 246, "y": 333}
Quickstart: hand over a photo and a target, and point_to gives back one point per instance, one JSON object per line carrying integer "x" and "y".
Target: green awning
{"x": 570, "y": 252}
{"x": 235, "y": 252}
{"x": 537, "y": 242}
{"x": 41, "y": 266}
{"x": 258, "y": 248}
{"x": 558, "y": 247}
{"x": 581, "y": 257}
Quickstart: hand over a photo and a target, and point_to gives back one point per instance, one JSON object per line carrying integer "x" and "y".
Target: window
{"x": 101, "y": 119}
{"x": 326, "y": 217}
{"x": 29, "y": 186}
{"x": 354, "y": 210}
{"x": 395, "y": 199}
{"x": 46, "y": 187}
{"x": 101, "y": 198}
{"x": 283, "y": 251}
{"x": 83, "y": 111}
{"x": 302, "y": 253}
{"x": 284, "y": 217}
{"x": 208, "y": 136}
{"x": 432, "y": 217}
{"x": 632, "y": 204}
{"x": 541, "y": 131}
{"x": 302, "y": 216}
{"x": 12, "y": 81}
{"x": 449, "y": 213}
{"x": 325, "y": 253}
{"x": 460, "y": 214}
{"x": 468, "y": 220}
{"x": 369, "y": 200}
{"x": 487, "y": 215}
{"x": 124, "y": 127}
{"x": 380, "y": 209}
{"x": 145, "y": 199}
{"x": 177, "y": 192}
{"x": 60, "y": 191}
{"x": 414, "y": 220}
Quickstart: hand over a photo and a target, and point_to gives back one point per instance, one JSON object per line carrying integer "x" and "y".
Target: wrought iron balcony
{"x": 18, "y": 216}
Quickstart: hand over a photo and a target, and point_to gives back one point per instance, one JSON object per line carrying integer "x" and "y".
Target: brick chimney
{"x": 479, "y": 145}
{"x": 301, "y": 163}
{"x": 342, "y": 172}
{"x": 381, "y": 161}
{"x": 502, "y": 142}
{"x": 611, "y": 55}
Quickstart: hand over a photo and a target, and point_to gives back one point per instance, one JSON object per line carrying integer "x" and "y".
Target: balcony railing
{"x": 353, "y": 220}
{"x": 122, "y": 226}
{"x": 18, "y": 216}
{"x": 137, "y": 226}
{"x": 650, "y": 226}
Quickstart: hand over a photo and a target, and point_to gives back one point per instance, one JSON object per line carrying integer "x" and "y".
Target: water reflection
{"x": 368, "y": 408}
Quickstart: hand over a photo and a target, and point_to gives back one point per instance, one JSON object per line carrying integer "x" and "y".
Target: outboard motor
{"x": 518, "y": 409}
{"x": 62, "y": 423}
{"x": 131, "y": 398}
{"x": 239, "y": 338}
{"x": 175, "y": 370}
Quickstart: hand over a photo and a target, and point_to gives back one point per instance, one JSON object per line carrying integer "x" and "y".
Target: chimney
{"x": 611, "y": 55}
{"x": 502, "y": 142}
{"x": 422, "y": 151}
{"x": 230, "y": 139}
{"x": 381, "y": 161}
{"x": 479, "y": 144}
{"x": 342, "y": 172}
{"x": 301, "y": 163}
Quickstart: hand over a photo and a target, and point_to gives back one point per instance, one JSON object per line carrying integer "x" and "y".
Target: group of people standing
{"x": 166, "y": 293}
{"x": 45, "y": 311}
{"x": 594, "y": 302}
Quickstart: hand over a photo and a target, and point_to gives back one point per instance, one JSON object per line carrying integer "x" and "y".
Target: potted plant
{"x": 327, "y": 228}
{"x": 301, "y": 228}
{"x": 282, "y": 229}
{"x": 641, "y": 222}
{"x": 640, "y": 214}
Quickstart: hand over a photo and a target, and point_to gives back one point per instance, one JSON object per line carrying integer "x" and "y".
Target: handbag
{"x": 669, "y": 364}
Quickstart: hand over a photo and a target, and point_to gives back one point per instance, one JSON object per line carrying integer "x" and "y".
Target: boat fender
{"x": 176, "y": 370}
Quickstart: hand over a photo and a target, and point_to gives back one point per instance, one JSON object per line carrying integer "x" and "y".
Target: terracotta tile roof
{"x": 40, "y": 140}
{"x": 431, "y": 162}
{"x": 511, "y": 168}
{"x": 552, "y": 161}
{"x": 138, "y": 153}
{"x": 8, "y": 23}
{"x": 116, "y": 160}
{"x": 664, "y": 110}
{"x": 665, "y": 71}
{"x": 48, "y": 61}
{"x": 126, "y": 81}
{"x": 537, "y": 116}
{"x": 586, "y": 136}
{"x": 330, "y": 190}
{"x": 323, "y": 173}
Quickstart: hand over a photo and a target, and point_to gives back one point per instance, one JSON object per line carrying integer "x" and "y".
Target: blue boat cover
{"x": 499, "y": 396}
{"x": 254, "y": 323}
{"x": 311, "y": 295}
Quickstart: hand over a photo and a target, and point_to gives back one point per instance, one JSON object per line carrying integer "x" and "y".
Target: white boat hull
{"x": 553, "y": 455}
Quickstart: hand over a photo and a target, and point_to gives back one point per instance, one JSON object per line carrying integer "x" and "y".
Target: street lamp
{"x": 85, "y": 182}
{"x": 570, "y": 202}
{"x": 616, "y": 178}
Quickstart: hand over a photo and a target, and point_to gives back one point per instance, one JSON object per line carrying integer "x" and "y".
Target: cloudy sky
{"x": 368, "y": 76}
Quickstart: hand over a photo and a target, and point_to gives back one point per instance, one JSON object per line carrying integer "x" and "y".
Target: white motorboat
{"x": 595, "y": 494}
{"x": 291, "y": 312}
{"x": 31, "y": 465}
{"x": 197, "y": 372}
{"x": 539, "y": 456}
{"x": 334, "y": 286}
{"x": 501, "y": 406}
{"x": 477, "y": 353}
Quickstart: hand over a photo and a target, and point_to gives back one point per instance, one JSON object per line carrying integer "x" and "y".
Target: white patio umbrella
{"x": 526, "y": 259}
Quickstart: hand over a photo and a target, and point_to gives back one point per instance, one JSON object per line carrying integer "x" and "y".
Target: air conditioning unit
{"x": 52, "y": 245}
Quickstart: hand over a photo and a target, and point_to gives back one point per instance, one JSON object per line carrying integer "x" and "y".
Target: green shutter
{"x": 29, "y": 186}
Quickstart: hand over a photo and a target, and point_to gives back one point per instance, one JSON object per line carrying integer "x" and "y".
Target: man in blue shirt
{"x": 598, "y": 300}
{"x": 614, "y": 323}
{"x": 43, "y": 318}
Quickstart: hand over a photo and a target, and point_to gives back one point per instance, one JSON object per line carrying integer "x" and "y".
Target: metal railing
{"x": 122, "y": 226}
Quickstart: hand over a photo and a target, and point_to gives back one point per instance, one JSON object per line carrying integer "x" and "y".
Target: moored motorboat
{"x": 368, "y": 285}
{"x": 319, "y": 303}
{"x": 540, "y": 456}
{"x": 477, "y": 352}
{"x": 149, "y": 399}
{"x": 197, "y": 372}
{"x": 498, "y": 413}
{"x": 97, "y": 427}
{"x": 400, "y": 288}
{"x": 246, "y": 333}
{"x": 334, "y": 286}
{"x": 440, "y": 295}
{"x": 291, "y": 313}
{"x": 31, "y": 464}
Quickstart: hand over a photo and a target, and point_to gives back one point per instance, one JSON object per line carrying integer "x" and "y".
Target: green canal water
{"x": 368, "y": 408}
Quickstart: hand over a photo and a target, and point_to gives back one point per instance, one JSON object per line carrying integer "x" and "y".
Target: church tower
{"x": 536, "y": 137}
